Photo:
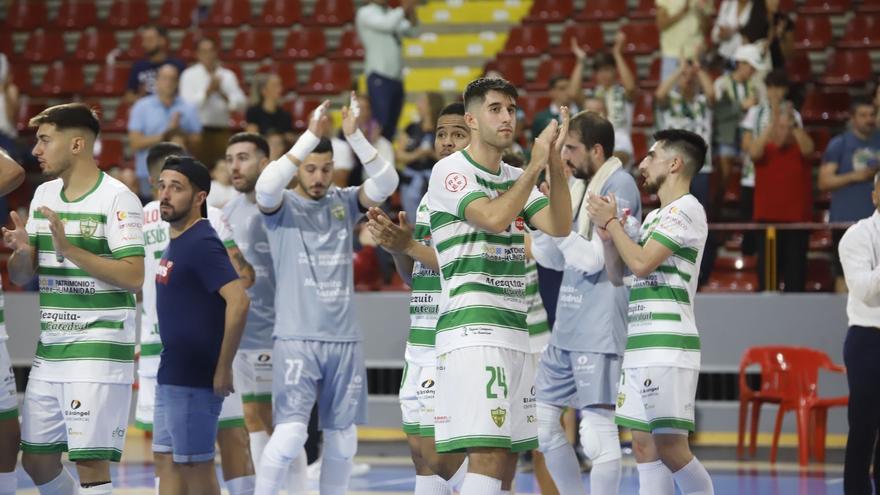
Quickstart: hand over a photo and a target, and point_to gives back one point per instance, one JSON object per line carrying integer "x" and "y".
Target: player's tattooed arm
{"x": 244, "y": 269}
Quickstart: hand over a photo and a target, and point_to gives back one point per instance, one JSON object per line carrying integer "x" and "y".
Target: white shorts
{"x": 485, "y": 398}
{"x": 87, "y": 420}
{"x": 417, "y": 391}
{"x": 231, "y": 416}
{"x": 252, "y": 374}
{"x": 657, "y": 398}
{"x": 8, "y": 397}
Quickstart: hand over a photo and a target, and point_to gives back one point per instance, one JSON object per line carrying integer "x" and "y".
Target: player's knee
{"x": 550, "y": 433}
{"x": 340, "y": 444}
{"x": 599, "y": 436}
{"x": 286, "y": 442}
{"x": 41, "y": 468}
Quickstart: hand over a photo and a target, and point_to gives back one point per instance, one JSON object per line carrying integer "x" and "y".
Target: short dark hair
{"x": 161, "y": 31}
{"x": 604, "y": 60}
{"x": 258, "y": 141}
{"x": 69, "y": 116}
{"x": 324, "y": 146}
{"x": 690, "y": 145}
{"x": 477, "y": 89}
{"x": 594, "y": 129}
{"x": 456, "y": 108}
{"x": 778, "y": 78}
{"x": 859, "y": 101}
{"x": 555, "y": 79}
{"x": 209, "y": 39}
{"x": 160, "y": 151}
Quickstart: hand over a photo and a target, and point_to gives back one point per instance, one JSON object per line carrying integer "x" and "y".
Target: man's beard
{"x": 653, "y": 187}
{"x": 173, "y": 215}
{"x": 584, "y": 172}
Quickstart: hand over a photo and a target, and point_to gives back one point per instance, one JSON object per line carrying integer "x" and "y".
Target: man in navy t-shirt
{"x": 202, "y": 307}
{"x": 142, "y": 78}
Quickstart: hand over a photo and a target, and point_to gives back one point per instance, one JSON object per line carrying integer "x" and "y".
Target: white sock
{"x": 298, "y": 476}
{"x": 334, "y": 476}
{"x": 655, "y": 479}
{"x": 693, "y": 479}
{"x": 63, "y": 484}
{"x": 156, "y": 486}
{"x": 605, "y": 477}
{"x": 8, "y": 483}
{"x": 563, "y": 466}
{"x": 104, "y": 489}
{"x": 270, "y": 476}
{"x": 259, "y": 439}
{"x": 432, "y": 485}
{"x": 241, "y": 486}
{"x": 478, "y": 484}
{"x": 458, "y": 478}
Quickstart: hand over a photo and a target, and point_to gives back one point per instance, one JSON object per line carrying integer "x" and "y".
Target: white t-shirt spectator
{"x": 729, "y": 18}
{"x": 213, "y": 109}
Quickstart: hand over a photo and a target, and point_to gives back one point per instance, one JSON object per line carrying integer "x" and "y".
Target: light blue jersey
{"x": 249, "y": 233}
{"x": 311, "y": 245}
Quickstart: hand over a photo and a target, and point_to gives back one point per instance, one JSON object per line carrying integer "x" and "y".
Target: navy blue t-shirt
{"x": 192, "y": 314}
{"x": 143, "y": 73}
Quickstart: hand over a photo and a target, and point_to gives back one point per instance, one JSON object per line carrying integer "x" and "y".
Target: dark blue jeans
{"x": 386, "y": 101}
{"x": 860, "y": 351}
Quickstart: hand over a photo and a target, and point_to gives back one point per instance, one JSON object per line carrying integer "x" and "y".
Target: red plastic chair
{"x": 812, "y": 32}
{"x": 640, "y": 146}
{"x": 642, "y": 38}
{"x": 589, "y": 37}
{"x": 26, "y": 15}
{"x": 825, "y": 106}
{"x": 550, "y": 11}
{"x": 329, "y": 78}
{"x": 724, "y": 282}
{"x": 61, "y": 79}
{"x": 187, "y": 49}
{"x": 76, "y": 15}
{"x": 93, "y": 46}
{"x": 527, "y": 41}
{"x": 653, "y": 80}
{"x": 119, "y": 122}
{"x": 790, "y": 378}
{"x": 26, "y": 111}
{"x": 287, "y": 72}
{"x": 43, "y": 47}
{"x": 300, "y": 109}
{"x": 835, "y": 7}
{"x": 112, "y": 153}
{"x": 863, "y": 31}
{"x": 279, "y": 13}
{"x": 799, "y": 68}
{"x": 870, "y": 6}
{"x": 331, "y": 13}
{"x": 510, "y": 68}
{"x": 643, "y": 109}
{"x": 550, "y": 68}
{"x": 848, "y": 68}
{"x": 304, "y": 44}
{"x": 646, "y": 9}
{"x": 177, "y": 13}
{"x": 7, "y": 46}
{"x": 251, "y": 44}
{"x": 367, "y": 276}
{"x": 349, "y": 48}
{"x": 128, "y": 14}
{"x": 110, "y": 80}
{"x": 819, "y": 275}
{"x": 21, "y": 76}
{"x": 602, "y": 10}
{"x": 228, "y": 13}
{"x": 531, "y": 105}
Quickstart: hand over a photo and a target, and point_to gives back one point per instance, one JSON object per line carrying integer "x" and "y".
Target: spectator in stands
{"x": 373, "y": 131}
{"x": 560, "y": 95}
{"x": 415, "y": 150}
{"x": 142, "y": 78}
{"x": 732, "y": 16}
{"x": 380, "y": 29}
{"x": 221, "y": 185}
{"x": 214, "y": 91}
{"x": 848, "y": 166}
{"x": 597, "y": 105}
{"x": 8, "y": 109}
{"x": 772, "y": 30}
{"x": 681, "y": 24}
{"x": 735, "y": 93}
{"x": 154, "y": 118}
{"x": 278, "y": 144}
{"x": 615, "y": 85}
{"x": 776, "y": 143}
{"x": 265, "y": 115}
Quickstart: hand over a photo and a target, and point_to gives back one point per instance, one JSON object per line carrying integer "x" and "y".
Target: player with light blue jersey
{"x": 581, "y": 365}
{"x": 317, "y": 344}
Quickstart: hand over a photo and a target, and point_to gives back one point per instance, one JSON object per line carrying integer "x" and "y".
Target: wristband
{"x": 365, "y": 151}
{"x": 605, "y": 227}
{"x": 307, "y": 142}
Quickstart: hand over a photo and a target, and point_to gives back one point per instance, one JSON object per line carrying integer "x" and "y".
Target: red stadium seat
{"x": 304, "y": 44}
{"x": 228, "y": 13}
{"x": 510, "y": 68}
{"x": 27, "y": 110}
{"x": 7, "y": 46}
{"x": 26, "y": 15}
{"x": 835, "y": 7}
{"x": 300, "y": 109}
{"x": 109, "y": 81}
{"x": 119, "y": 122}
{"x": 731, "y": 282}
{"x": 863, "y": 31}
{"x": 589, "y": 37}
{"x": 76, "y": 15}
{"x": 331, "y": 13}
{"x": 602, "y": 10}
{"x": 328, "y": 78}
{"x": 128, "y": 14}
{"x": 848, "y": 68}
{"x": 177, "y": 13}
{"x": 643, "y": 111}
{"x": 870, "y": 6}
{"x": 349, "y": 48}
{"x": 550, "y": 11}
{"x": 287, "y": 72}
{"x": 61, "y": 79}
{"x": 819, "y": 276}
{"x": 640, "y": 146}
{"x": 653, "y": 79}
{"x": 531, "y": 105}
{"x": 812, "y": 32}
{"x": 93, "y": 46}
{"x": 187, "y": 50}
{"x": 825, "y": 106}
{"x": 279, "y": 13}
{"x": 252, "y": 44}
{"x": 43, "y": 47}
{"x": 798, "y": 67}
{"x": 112, "y": 154}
{"x": 646, "y": 9}
{"x": 527, "y": 40}
{"x": 550, "y": 68}
{"x": 21, "y": 76}
{"x": 134, "y": 51}
{"x": 642, "y": 38}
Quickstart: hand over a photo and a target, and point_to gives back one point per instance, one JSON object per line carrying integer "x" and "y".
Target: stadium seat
{"x": 869, "y": 6}
{"x": 799, "y": 68}
{"x": 128, "y": 14}
{"x": 61, "y": 79}
{"x": 653, "y": 80}
{"x": 177, "y": 13}
{"x": 187, "y": 49}
{"x": 848, "y": 68}
{"x": 93, "y": 46}
{"x": 26, "y": 15}
{"x": 820, "y": 240}
{"x": 228, "y": 13}
{"x": 550, "y": 11}
{"x": 349, "y": 48}
{"x": 642, "y": 38}
{"x": 526, "y": 41}
{"x": 328, "y": 78}
{"x": 21, "y": 76}
{"x": 550, "y": 68}
{"x": 133, "y": 51}
{"x": 76, "y": 15}
{"x": 279, "y": 13}
{"x": 287, "y": 72}
{"x": 331, "y": 13}
{"x": 367, "y": 276}
{"x": 112, "y": 154}
{"x": 589, "y": 37}
{"x": 110, "y": 80}
{"x": 819, "y": 276}
{"x": 306, "y": 43}
{"x": 863, "y": 31}
{"x": 119, "y": 122}
{"x": 602, "y": 10}
{"x": 812, "y": 32}
{"x": 251, "y": 44}
{"x": 640, "y": 146}
{"x": 835, "y": 7}
{"x": 239, "y": 74}
{"x": 721, "y": 282}
{"x": 300, "y": 109}
{"x": 511, "y": 68}
{"x": 7, "y": 46}
{"x": 643, "y": 110}
{"x": 825, "y": 106}
{"x": 531, "y": 105}
{"x": 43, "y": 47}
{"x": 646, "y": 9}
{"x": 26, "y": 110}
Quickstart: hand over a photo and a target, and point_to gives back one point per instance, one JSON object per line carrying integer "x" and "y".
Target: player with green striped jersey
{"x": 479, "y": 208}
{"x": 536, "y": 315}
{"x": 84, "y": 237}
{"x": 661, "y": 363}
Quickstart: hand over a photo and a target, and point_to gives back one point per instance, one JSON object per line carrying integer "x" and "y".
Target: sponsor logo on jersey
{"x": 498, "y": 416}
{"x": 455, "y": 182}
{"x": 338, "y": 211}
{"x": 263, "y": 358}
{"x": 621, "y": 398}
{"x": 121, "y": 215}
{"x": 428, "y": 383}
{"x": 520, "y": 223}
{"x": 75, "y": 404}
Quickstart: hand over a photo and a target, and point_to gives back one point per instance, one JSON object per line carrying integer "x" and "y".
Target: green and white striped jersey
{"x": 536, "y": 319}
{"x": 425, "y": 298}
{"x": 4, "y": 336}
{"x": 483, "y": 275}
{"x": 662, "y": 330}
{"x": 87, "y": 325}
{"x": 156, "y": 238}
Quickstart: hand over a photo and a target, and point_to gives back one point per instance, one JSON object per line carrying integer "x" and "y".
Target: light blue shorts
{"x": 577, "y": 379}
{"x": 185, "y": 422}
